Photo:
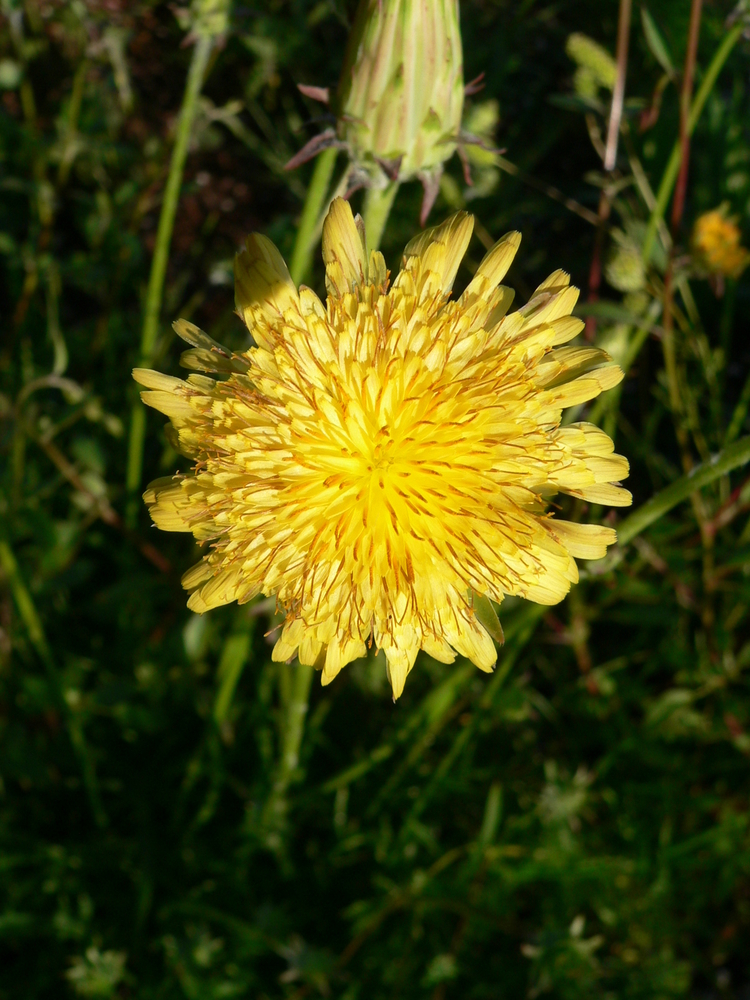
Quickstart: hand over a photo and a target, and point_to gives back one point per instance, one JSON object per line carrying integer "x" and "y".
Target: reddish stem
{"x": 610, "y": 156}
{"x": 678, "y": 204}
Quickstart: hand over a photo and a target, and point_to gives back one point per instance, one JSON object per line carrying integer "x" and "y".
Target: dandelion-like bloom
{"x": 383, "y": 463}
{"x": 716, "y": 243}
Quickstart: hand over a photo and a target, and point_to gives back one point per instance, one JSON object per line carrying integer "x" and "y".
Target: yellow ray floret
{"x": 382, "y": 463}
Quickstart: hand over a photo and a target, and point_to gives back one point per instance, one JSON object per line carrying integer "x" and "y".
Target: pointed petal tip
{"x": 441, "y": 248}
{"x": 496, "y": 262}
{"x": 263, "y": 287}
{"x": 343, "y": 249}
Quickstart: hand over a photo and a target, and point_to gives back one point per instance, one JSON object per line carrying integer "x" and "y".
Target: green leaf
{"x": 487, "y": 616}
{"x": 232, "y": 663}
{"x": 655, "y": 41}
{"x": 493, "y": 811}
{"x": 652, "y": 510}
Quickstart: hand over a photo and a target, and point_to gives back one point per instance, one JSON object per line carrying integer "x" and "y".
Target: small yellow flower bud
{"x": 401, "y": 91}
{"x": 716, "y": 244}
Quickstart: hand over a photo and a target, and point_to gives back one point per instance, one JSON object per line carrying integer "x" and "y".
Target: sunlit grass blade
{"x": 233, "y": 659}
{"x": 652, "y": 510}
{"x": 311, "y": 218}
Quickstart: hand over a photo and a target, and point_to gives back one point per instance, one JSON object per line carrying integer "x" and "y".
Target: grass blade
{"x": 652, "y": 510}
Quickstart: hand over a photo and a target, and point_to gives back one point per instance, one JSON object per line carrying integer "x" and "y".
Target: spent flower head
{"x": 624, "y": 268}
{"x": 383, "y": 462}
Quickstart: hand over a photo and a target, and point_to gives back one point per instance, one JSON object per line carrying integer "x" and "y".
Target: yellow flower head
{"x": 716, "y": 243}
{"x": 383, "y": 463}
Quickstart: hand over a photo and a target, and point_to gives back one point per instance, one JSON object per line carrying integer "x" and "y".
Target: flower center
{"x": 382, "y": 453}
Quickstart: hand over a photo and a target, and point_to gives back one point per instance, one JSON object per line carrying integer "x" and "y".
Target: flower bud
{"x": 585, "y": 83}
{"x": 204, "y": 17}
{"x": 624, "y": 268}
{"x": 598, "y": 66}
{"x": 401, "y": 92}
{"x": 716, "y": 244}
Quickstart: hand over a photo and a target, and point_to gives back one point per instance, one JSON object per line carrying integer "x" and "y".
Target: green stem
{"x": 71, "y": 125}
{"x": 311, "y": 213}
{"x": 378, "y": 203}
{"x": 24, "y": 603}
{"x": 196, "y": 73}
{"x": 730, "y": 458}
{"x": 670, "y": 353}
{"x": 234, "y": 656}
{"x": 673, "y": 166}
{"x": 295, "y": 709}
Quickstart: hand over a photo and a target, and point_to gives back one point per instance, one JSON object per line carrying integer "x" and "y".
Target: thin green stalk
{"x": 652, "y": 510}
{"x": 673, "y": 166}
{"x": 24, "y": 603}
{"x": 17, "y": 464}
{"x": 295, "y": 709}
{"x": 378, "y": 203}
{"x": 196, "y": 74}
{"x": 311, "y": 213}
{"x": 71, "y": 125}
{"x": 686, "y": 94}
{"x": 233, "y": 659}
{"x": 670, "y": 359}
{"x": 669, "y": 347}
{"x": 609, "y": 159}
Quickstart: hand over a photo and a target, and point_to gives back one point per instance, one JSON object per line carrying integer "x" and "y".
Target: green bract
{"x": 401, "y": 91}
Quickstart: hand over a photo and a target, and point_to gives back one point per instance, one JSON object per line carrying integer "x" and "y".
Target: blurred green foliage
{"x": 576, "y": 825}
